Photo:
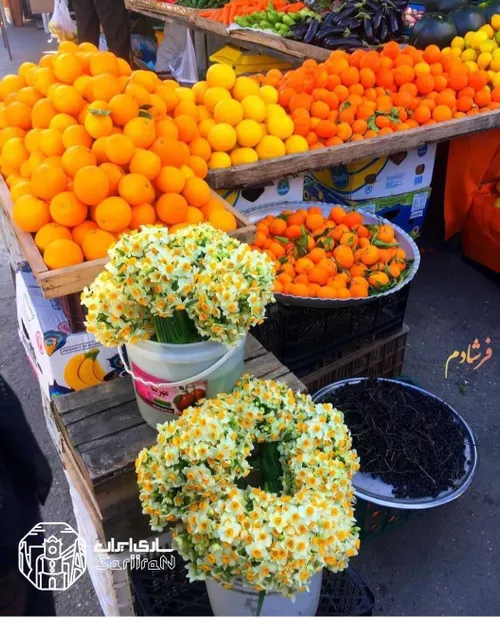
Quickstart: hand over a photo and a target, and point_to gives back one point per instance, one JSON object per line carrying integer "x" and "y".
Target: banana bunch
{"x": 83, "y": 370}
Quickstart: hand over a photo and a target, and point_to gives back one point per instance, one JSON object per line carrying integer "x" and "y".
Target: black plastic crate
{"x": 169, "y": 593}
{"x": 308, "y": 338}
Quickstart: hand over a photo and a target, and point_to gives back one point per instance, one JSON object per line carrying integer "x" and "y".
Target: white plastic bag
{"x": 62, "y": 27}
{"x": 183, "y": 67}
{"x": 174, "y": 40}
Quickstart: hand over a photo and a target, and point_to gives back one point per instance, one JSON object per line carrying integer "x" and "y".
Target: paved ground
{"x": 443, "y": 562}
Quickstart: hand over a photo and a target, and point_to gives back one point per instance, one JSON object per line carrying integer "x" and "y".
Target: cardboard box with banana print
{"x": 63, "y": 361}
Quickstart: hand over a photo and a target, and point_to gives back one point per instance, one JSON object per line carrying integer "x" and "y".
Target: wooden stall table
{"x": 100, "y": 434}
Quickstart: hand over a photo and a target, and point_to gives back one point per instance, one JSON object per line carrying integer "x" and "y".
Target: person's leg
{"x": 87, "y": 21}
{"x": 114, "y": 19}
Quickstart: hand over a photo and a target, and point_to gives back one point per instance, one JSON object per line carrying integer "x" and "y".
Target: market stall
{"x": 127, "y": 262}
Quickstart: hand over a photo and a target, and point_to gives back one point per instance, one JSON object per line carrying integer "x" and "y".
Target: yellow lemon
{"x": 495, "y": 22}
{"x": 270, "y": 147}
{"x": 491, "y": 74}
{"x": 281, "y": 127}
{"x": 269, "y": 94}
{"x": 221, "y": 75}
{"x": 273, "y": 109}
{"x": 484, "y": 59}
{"x": 458, "y": 42}
{"x": 219, "y": 160}
{"x": 488, "y": 30}
{"x": 456, "y": 51}
{"x": 229, "y": 111}
{"x": 205, "y": 126}
{"x": 496, "y": 53}
{"x": 222, "y": 137}
{"x": 496, "y": 81}
{"x": 240, "y": 156}
{"x": 296, "y": 144}
{"x": 446, "y": 51}
{"x": 254, "y": 108}
{"x": 249, "y": 133}
{"x": 472, "y": 65}
{"x": 495, "y": 65}
{"x": 488, "y": 46}
{"x": 244, "y": 87}
{"x": 469, "y": 54}
{"x": 213, "y": 96}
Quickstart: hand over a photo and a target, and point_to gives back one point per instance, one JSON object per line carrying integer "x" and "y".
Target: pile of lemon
{"x": 480, "y": 49}
{"x": 241, "y": 120}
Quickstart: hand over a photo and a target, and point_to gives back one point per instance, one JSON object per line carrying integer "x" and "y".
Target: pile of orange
{"x": 367, "y": 94}
{"x": 90, "y": 150}
{"x": 333, "y": 257}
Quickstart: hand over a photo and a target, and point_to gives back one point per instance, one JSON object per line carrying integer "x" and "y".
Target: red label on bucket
{"x": 173, "y": 400}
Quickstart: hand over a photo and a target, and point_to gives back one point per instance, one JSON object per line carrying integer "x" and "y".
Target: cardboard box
{"x": 63, "y": 361}
{"x": 42, "y": 6}
{"x": 373, "y": 178}
{"x": 286, "y": 190}
{"x": 406, "y": 210}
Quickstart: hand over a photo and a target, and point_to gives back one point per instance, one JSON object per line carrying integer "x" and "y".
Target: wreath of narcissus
{"x": 193, "y": 479}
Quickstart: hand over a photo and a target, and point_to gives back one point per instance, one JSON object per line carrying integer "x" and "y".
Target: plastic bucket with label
{"x": 168, "y": 378}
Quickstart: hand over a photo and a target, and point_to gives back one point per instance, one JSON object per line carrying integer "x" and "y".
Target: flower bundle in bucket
{"x": 183, "y": 304}
{"x": 260, "y": 549}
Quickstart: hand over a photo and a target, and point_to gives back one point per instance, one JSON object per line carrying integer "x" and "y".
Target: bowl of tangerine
{"x": 328, "y": 255}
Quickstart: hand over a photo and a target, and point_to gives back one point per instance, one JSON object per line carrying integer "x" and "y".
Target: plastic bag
{"x": 184, "y": 67}
{"x": 172, "y": 45}
{"x": 62, "y": 27}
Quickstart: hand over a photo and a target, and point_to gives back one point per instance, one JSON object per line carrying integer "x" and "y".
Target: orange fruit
{"x": 32, "y": 140}
{"x": 167, "y": 129}
{"x": 123, "y": 109}
{"x": 199, "y": 147}
{"x": 213, "y": 205}
{"x": 142, "y": 215}
{"x": 145, "y": 162}
{"x": 172, "y": 208}
{"x": 196, "y": 191}
{"x": 114, "y": 174}
{"x": 76, "y": 135}
{"x": 14, "y": 153}
{"x": 223, "y": 220}
{"x": 31, "y": 213}
{"x": 62, "y": 121}
{"x": 104, "y": 62}
{"x": 51, "y": 232}
{"x": 76, "y": 157}
{"x": 188, "y": 128}
{"x": 67, "y": 67}
{"x": 51, "y": 143}
{"x": 62, "y": 253}
{"x": 194, "y": 215}
{"x": 67, "y": 210}
{"x": 67, "y": 99}
{"x": 44, "y": 78}
{"x": 78, "y": 232}
{"x": 113, "y": 214}
{"x": 170, "y": 180}
{"x": 119, "y": 149}
{"x": 96, "y": 243}
{"x": 20, "y": 189}
{"x": 104, "y": 87}
{"x": 47, "y": 181}
{"x": 136, "y": 189}
{"x": 99, "y": 150}
{"x": 98, "y": 123}
{"x": 141, "y": 131}
{"x": 18, "y": 115}
{"x": 198, "y": 165}
{"x": 91, "y": 185}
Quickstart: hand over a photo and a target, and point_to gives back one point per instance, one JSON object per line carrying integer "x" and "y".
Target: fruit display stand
{"x": 263, "y": 172}
{"x": 286, "y": 49}
{"x": 99, "y": 433}
{"x": 60, "y": 282}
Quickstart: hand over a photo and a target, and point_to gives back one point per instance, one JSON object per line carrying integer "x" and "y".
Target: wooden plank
{"x": 96, "y": 399}
{"x": 283, "y": 49}
{"x": 293, "y": 165}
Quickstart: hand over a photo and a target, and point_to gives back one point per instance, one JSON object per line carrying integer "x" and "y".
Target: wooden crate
{"x": 60, "y": 282}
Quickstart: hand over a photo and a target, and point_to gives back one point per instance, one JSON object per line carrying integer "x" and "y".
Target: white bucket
{"x": 170, "y": 377}
{"x": 242, "y": 601}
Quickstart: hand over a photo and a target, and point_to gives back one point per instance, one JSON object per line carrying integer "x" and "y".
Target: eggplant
{"x": 383, "y": 30}
{"x": 335, "y": 42}
{"x": 374, "y": 6}
{"x": 352, "y": 24}
{"x": 368, "y": 28}
{"x": 377, "y": 18}
{"x": 393, "y": 22}
{"x": 311, "y": 31}
{"x": 344, "y": 13}
{"x": 330, "y": 31}
{"x": 328, "y": 19}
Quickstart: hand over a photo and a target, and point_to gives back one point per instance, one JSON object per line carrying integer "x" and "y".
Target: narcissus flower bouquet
{"x": 181, "y": 302}
{"x": 258, "y": 541}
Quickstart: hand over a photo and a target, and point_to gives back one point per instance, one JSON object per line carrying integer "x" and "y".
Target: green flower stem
{"x": 179, "y": 329}
{"x": 271, "y": 467}
{"x": 262, "y": 595}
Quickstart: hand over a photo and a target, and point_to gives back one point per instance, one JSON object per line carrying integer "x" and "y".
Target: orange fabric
{"x": 481, "y": 234}
{"x": 472, "y": 160}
